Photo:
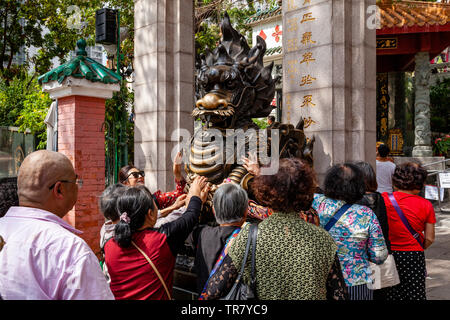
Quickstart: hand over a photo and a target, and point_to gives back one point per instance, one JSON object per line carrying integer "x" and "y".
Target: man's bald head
{"x": 38, "y": 172}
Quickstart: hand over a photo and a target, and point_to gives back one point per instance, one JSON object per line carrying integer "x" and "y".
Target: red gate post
{"x": 81, "y": 87}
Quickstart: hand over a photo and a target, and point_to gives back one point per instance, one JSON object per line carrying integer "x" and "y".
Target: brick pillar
{"x": 82, "y": 140}
{"x": 81, "y": 113}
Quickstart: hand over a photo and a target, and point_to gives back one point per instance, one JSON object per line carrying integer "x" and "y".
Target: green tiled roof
{"x": 274, "y": 50}
{"x": 264, "y": 14}
{"x": 81, "y": 67}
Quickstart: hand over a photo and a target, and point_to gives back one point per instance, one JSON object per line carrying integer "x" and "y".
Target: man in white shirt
{"x": 385, "y": 169}
{"x": 42, "y": 258}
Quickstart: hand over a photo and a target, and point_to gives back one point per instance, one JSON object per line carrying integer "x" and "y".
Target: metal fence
{"x": 442, "y": 184}
{"x": 14, "y": 147}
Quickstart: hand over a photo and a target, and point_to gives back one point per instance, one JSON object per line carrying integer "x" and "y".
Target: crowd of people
{"x": 313, "y": 242}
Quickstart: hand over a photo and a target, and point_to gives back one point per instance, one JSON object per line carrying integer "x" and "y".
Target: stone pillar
{"x": 164, "y": 84}
{"x": 422, "y": 130}
{"x": 81, "y": 114}
{"x": 329, "y": 77}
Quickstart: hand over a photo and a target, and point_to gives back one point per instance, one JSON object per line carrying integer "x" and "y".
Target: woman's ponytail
{"x": 122, "y": 234}
{"x": 133, "y": 205}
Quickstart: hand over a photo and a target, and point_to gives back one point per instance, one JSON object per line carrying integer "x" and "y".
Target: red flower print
{"x": 277, "y": 33}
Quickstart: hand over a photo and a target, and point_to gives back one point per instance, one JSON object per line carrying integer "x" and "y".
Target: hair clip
{"x": 124, "y": 217}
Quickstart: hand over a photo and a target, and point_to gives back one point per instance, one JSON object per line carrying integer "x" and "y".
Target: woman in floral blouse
{"x": 357, "y": 232}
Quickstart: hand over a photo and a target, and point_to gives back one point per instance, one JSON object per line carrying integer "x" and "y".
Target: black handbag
{"x": 240, "y": 290}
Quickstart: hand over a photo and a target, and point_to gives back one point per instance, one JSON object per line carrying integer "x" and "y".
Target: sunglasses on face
{"x": 136, "y": 174}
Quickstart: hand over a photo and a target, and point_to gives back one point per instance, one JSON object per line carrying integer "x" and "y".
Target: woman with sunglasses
{"x": 131, "y": 176}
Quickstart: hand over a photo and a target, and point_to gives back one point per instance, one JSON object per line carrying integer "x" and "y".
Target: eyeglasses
{"x": 77, "y": 181}
{"x": 136, "y": 174}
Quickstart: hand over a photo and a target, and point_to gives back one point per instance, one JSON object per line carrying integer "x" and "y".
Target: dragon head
{"x": 232, "y": 84}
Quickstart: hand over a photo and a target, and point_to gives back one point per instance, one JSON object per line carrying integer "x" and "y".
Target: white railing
{"x": 438, "y": 181}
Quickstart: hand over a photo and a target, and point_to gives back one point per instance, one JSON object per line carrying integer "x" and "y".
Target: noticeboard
{"x": 444, "y": 179}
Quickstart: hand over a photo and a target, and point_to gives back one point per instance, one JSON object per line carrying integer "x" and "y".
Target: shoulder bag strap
{"x": 154, "y": 269}
{"x": 247, "y": 249}
{"x": 400, "y": 213}
{"x": 337, "y": 216}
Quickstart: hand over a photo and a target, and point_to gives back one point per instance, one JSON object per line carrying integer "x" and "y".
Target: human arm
{"x": 86, "y": 281}
{"x": 251, "y": 164}
{"x": 177, "y": 167}
{"x": 257, "y": 211}
{"x": 179, "y": 202}
{"x": 177, "y": 231}
{"x": 336, "y": 287}
{"x": 166, "y": 199}
{"x": 429, "y": 235}
{"x": 376, "y": 245}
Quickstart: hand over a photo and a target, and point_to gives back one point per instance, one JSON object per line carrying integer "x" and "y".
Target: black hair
{"x": 108, "y": 201}
{"x": 370, "y": 178}
{"x": 136, "y": 202}
{"x": 383, "y": 150}
{"x": 272, "y": 118}
{"x": 409, "y": 176}
{"x": 123, "y": 172}
{"x": 344, "y": 182}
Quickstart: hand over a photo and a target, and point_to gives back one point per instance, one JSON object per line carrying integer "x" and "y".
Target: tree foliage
{"x": 440, "y": 107}
{"x": 23, "y": 104}
{"x": 49, "y": 29}
{"x": 52, "y": 28}
{"x": 209, "y": 14}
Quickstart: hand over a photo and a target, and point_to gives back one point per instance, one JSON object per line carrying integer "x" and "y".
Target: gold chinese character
{"x": 292, "y": 45}
{"x": 307, "y": 38}
{"x": 307, "y": 57}
{"x": 288, "y": 101}
{"x": 307, "y": 101}
{"x": 309, "y": 122}
{"x": 291, "y": 5}
{"x": 307, "y": 17}
{"x": 292, "y": 68}
{"x": 307, "y": 2}
{"x": 292, "y": 25}
{"x": 307, "y": 80}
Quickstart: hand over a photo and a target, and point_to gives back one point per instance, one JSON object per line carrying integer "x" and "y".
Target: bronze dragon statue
{"x": 232, "y": 87}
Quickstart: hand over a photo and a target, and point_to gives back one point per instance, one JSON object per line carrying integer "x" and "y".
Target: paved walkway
{"x": 438, "y": 260}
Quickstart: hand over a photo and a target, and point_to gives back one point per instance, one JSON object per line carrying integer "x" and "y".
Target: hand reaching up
{"x": 177, "y": 166}
{"x": 179, "y": 202}
{"x": 196, "y": 188}
{"x": 205, "y": 191}
{"x": 251, "y": 164}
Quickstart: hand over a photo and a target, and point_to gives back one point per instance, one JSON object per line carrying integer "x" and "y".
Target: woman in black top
{"x": 230, "y": 203}
{"x": 375, "y": 201}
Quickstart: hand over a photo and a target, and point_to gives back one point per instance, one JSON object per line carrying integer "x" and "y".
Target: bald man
{"x": 42, "y": 257}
